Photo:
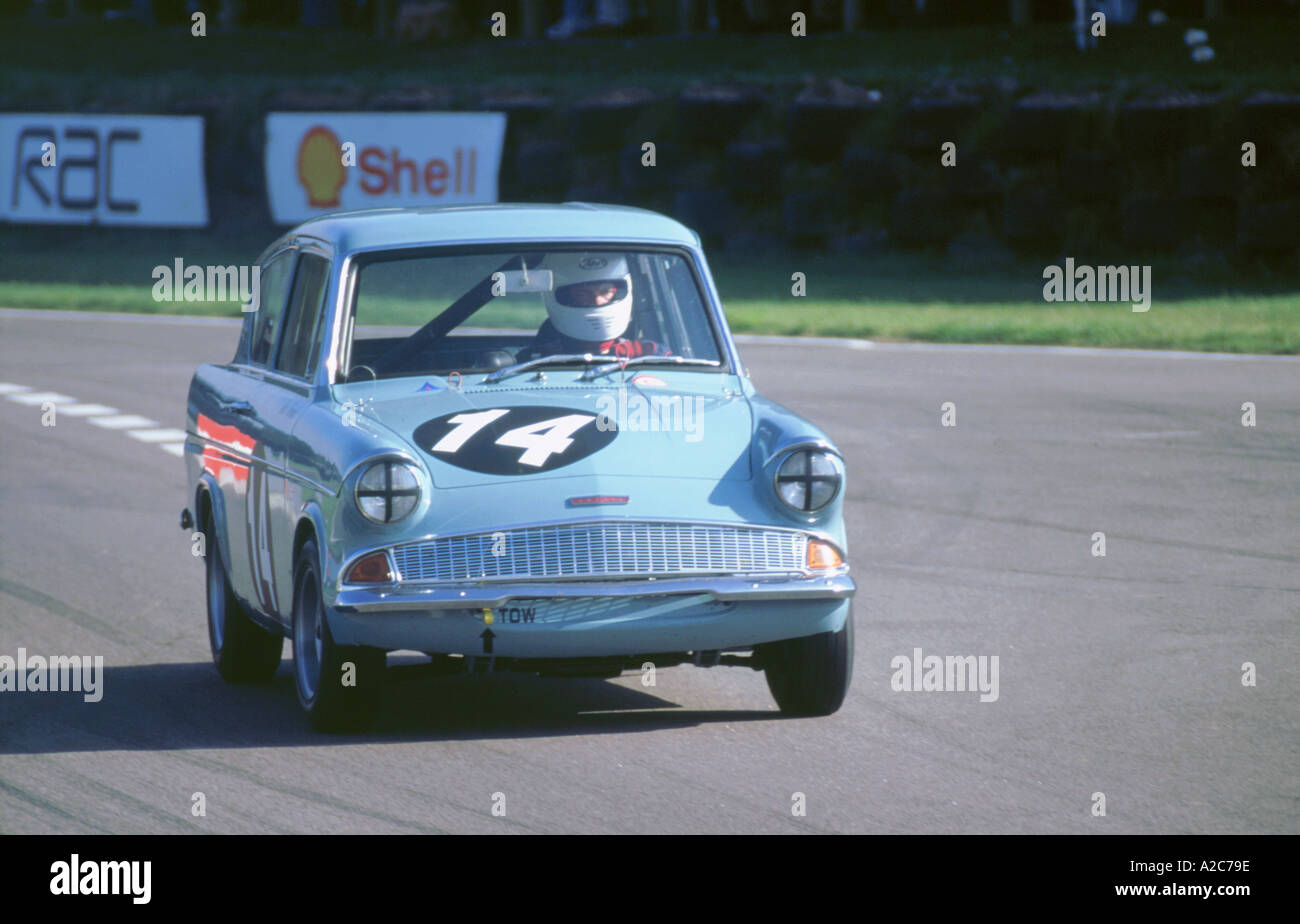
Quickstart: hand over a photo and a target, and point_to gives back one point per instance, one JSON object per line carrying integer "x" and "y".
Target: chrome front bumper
{"x": 415, "y": 597}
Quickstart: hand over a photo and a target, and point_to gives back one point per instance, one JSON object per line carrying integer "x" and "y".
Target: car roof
{"x": 377, "y": 229}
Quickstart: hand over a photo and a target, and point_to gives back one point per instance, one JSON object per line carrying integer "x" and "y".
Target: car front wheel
{"x": 809, "y": 676}
{"x": 242, "y": 650}
{"x": 338, "y": 685}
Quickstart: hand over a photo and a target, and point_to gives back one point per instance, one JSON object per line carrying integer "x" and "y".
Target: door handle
{"x": 237, "y": 407}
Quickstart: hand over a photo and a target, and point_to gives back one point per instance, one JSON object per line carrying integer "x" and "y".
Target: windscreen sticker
{"x": 514, "y": 441}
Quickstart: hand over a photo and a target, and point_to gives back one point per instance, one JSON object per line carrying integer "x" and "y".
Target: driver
{"x": 589, "y": 308}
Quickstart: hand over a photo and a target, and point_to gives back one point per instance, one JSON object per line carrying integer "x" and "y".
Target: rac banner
{"x": 332, "y": 161}
{"x": 102, "y": 169}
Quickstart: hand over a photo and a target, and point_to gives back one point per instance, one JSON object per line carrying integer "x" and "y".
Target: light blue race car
{"x": 515, "y": 437}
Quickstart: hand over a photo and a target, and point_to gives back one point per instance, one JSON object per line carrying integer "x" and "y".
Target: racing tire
{"x": 242, "y": 651}
{"x": 338, "y": 685}
{"x": 810, "y": 676}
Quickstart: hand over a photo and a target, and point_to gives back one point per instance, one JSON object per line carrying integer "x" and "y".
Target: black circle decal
{"x": 517, "y": 440}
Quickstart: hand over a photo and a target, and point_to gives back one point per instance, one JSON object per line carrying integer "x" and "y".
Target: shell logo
{"x": 320, "y": 167}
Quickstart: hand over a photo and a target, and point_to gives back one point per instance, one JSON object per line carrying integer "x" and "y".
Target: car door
{"x": 286, "y": 394}
{"x": 234, "y": 437}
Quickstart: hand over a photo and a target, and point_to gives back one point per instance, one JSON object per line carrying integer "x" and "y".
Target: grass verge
{"x": 915, "y": 298}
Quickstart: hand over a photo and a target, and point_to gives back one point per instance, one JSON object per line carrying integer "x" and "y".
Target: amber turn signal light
{"x": 373, "y": 569}
{"x": 823, "y": 555}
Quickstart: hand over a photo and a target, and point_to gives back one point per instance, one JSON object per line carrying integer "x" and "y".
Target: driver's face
{"x": 595, "y": 293}
{"x": 606, "y": 293}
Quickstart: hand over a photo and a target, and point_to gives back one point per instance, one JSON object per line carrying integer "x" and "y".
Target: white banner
{"x": 331, "y": 161}
{"x": 102, "y": 169}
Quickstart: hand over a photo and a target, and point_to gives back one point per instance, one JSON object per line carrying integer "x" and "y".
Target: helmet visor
{"x": 593, "y": 294}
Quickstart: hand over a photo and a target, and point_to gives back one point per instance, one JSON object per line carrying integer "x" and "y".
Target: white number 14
{"x": 539, "y": 440}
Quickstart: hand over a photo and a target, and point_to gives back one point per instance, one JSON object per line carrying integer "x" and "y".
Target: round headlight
{"x": 808, "y": 480}
{"x": 387, "y": 491}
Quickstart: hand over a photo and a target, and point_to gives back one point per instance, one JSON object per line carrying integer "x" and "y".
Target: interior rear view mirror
{"x": 512, "y": 282}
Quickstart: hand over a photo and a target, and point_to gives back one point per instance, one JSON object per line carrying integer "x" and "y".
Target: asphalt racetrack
{"x": 1120, "y": 675}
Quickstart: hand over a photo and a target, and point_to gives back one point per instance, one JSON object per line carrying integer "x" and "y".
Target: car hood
{"x": 696, "y": 428}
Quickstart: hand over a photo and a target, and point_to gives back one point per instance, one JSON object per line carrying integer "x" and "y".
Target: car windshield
{"x": 422, "y": 314}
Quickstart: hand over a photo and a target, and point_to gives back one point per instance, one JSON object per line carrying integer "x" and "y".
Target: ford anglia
{"x": 513, "y": 437}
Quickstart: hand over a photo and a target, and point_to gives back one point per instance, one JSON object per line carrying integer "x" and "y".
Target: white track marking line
{"x": 123, "y": 422}
{"x": 854, "y": 343}
{"x": 42, "y": 397}
{"x": 168, "y": 439}
{"x": 157, "y": 436}
{"x": 88, "y": 410}
{"x": 120, "y": 317}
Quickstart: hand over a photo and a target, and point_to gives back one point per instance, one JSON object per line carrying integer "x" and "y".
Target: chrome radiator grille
{"x": 603, "y": 550}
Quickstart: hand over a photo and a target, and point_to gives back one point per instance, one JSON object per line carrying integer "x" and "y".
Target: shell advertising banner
{"x": 318, "y": 162}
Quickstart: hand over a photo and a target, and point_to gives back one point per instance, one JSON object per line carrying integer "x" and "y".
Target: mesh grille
{"x": 596, "y": 550}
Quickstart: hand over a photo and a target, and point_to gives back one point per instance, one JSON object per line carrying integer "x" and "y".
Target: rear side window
{"x": 274, "y": 287}
{"x": 302, "y": 324}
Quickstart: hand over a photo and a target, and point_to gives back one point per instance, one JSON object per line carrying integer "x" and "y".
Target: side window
{"x": 687, "y": 312}
{"x": 303, "y": 320}
{"x": 274, "y": 287}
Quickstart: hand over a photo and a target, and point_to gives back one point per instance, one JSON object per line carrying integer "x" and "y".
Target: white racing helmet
{"x": 592, "y": 296}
